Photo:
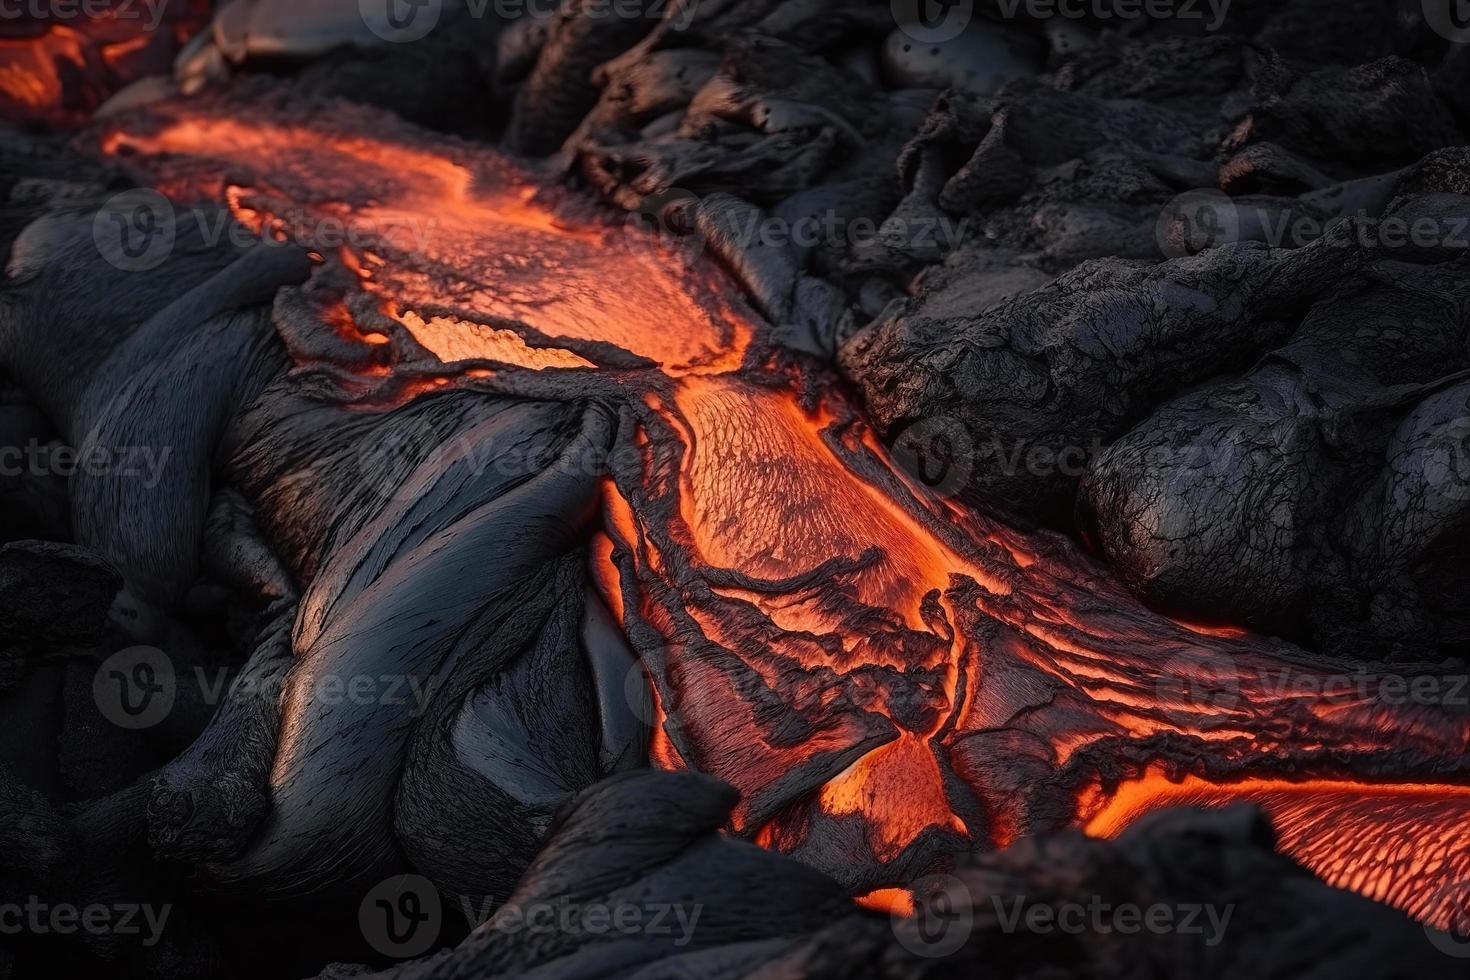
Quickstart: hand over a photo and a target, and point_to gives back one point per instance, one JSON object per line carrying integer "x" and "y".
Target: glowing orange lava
{"x": 1401, "y": 834}
{"x": 57, "y": 70}
{"x": 483, "y": 248}
{"x": 885, "y": 675}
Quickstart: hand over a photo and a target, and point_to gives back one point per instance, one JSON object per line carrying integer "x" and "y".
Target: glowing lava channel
{"x": 856, "y": 656}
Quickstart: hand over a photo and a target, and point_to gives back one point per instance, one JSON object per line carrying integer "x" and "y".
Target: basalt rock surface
{"x": 438, "y": 544}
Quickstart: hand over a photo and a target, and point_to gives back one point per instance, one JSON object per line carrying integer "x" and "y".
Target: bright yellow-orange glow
{"x": 451, "y": 339}
{"x": 894, "y": 901}
{"x": 1387, "y": 841}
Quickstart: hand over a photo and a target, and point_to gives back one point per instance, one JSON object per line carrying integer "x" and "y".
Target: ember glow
{"x": 58, "y": 71}
{"x": 1401, "y": 834}
{"x": 887, "y": 677}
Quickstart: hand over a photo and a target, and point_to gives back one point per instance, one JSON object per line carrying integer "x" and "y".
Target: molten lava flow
{"x": 58, "y": 70}
{"x": 886, "y": 676}
{"x": 459, "y": 247}
{"x": 1400, "y": 833}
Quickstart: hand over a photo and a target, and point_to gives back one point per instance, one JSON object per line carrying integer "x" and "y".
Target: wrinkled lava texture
{"x": 626, "y": 491}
